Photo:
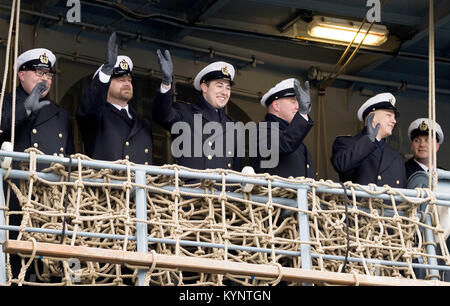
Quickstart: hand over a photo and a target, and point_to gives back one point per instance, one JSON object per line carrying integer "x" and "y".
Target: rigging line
{"x": 324, "y": 130}
{"x": 432, "y": 182}
{"x": 66, "y": 200}
{"x": 319, "y": 123}
{"x": 346, "y": 200}
{"x": 8, "y": 48}
{"x": 16, "y": 51}
{"x": 333, "y": 75}
{"x": 349, "y": 46}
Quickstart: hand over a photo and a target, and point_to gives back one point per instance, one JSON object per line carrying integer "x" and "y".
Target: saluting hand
{"x": 111, "y": 55}
{"x": 32, "y": 103}
{"x": 165, "y": 63}
{"x": 303, "y": 97}
{"x": 372, "y": 132}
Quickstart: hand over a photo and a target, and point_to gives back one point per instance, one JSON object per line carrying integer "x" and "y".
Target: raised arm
{"x": 164, "y": 111}
{"x": 94, "y": 97}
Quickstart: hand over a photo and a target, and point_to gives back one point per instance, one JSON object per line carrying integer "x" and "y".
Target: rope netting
{"x": 215, "y": 223}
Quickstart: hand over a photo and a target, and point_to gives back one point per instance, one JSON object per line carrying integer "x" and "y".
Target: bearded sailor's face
{"x": 121, "y": 88}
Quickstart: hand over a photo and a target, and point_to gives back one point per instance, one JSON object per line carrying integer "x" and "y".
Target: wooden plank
{"x": 206, "y": 265}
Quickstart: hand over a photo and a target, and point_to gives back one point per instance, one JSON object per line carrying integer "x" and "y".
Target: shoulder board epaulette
{"x": 182, "y": 102}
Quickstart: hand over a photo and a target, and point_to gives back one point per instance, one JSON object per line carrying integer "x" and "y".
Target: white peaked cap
{"x": 214, "y": 71}
{"x": 283, "y": 89}
{"x": 384, "y": 100}
{"x": 123, "y": 64}
{"x": 38, "y": 57}
{"x": 422, "y": 125}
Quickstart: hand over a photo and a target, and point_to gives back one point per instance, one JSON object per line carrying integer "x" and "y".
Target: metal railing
{"x": 142, "y": 239}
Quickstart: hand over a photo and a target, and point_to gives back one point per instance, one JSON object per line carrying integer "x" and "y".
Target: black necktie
{"x": 380, "y": 144}
{"x": 125, "y": 116}
{"x": 124, "y": 112}
{"x": 219, "y": 114}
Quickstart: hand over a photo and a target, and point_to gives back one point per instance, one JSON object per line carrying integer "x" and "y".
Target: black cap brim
{"x": 289, "y": 92}
{"x": 381, "y": 105}
{"x": 216, "y": 75}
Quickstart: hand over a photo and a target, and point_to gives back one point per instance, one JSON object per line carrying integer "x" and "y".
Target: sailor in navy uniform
{"x": 418, "y": 134}
{"x": 110, "y": 127}
{"x": 288, "y": 105}
{"x": 202, "y": 149}
{"x": 39, "y": 122}
{"x": 367, "y": 158}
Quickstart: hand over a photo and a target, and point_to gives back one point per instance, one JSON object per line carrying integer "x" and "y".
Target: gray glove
{"x": 372, "y": 132}
{"x": 165, "y": 62}
{"x": 303, "y": 97}
{"x": 111, "y": 55}
{"x": 32, "y": 103}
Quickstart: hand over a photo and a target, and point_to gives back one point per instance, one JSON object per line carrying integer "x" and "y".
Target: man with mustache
{"x": 367, "y": 158}
{"x": 110, "y": 127}
{"x": 288, "y": 105}
{"x": 202, "y": 148}
{"x": 39, "y": 122}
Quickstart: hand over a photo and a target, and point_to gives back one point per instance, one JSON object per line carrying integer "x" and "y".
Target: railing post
{"x": 303, "y": 223}
{"x": 431, "y": 250}
{"x": 2, "y": 233}
{"x": 141, "y": 227}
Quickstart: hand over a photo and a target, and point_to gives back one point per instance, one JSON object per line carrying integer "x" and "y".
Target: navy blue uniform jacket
{"x": 294, "y": 157}
{"x": 361, "y": 161}
{"x": 411, "y": 167}
{"x": 107, "y": 133}
{"x": 167, "y": 113}
{"x": 49, "y": 129}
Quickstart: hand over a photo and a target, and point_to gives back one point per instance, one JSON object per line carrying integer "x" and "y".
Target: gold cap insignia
{"x": 391, "y": 101}
{"x": 43, "y": 58}
{"x": 423, "y": 126}
{"x": 225, "y": 71}
{"x": 123, "y": 64}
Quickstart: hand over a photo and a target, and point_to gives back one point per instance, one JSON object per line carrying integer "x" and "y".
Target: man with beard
{"x": 110, "y": 127}
{"x": 199, "y": 149}
{"x": 367, "y": 158}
